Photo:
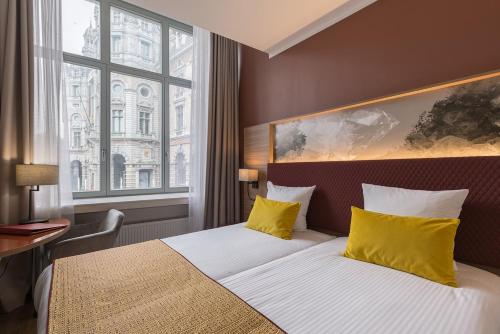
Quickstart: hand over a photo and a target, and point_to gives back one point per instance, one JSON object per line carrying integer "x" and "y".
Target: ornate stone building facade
{"x": 135, "y": 111}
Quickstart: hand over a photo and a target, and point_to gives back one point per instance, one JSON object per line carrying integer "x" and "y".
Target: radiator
{"x": 134, "y": 233}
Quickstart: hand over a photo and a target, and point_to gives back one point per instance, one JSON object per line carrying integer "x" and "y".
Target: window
{"x": 144, "y": 132}
{"x": 144, "y": 91}
{"x": 124, "y": 89}
{"x": 118, "y": 171}
{"x": 77, "y": 139}
{"x": 117, "y": 89}
{"x": 145, "y": 178}
{"x": 144, "y": 122}
{"x": 75, "y": 90}
{"x": 76, "y": 121}
{"x": 117, "y": 122}
{"x": 179, "y": 123}
{"x": 81, "y": 33}
{"x": 146, "y": 50}
{"x": 84, "y": 119}
{"x": 116, "y": 44}
{"x": 181, "y": 54}
{"x": 180, "y": 113}
{"x": 142, "y": 51}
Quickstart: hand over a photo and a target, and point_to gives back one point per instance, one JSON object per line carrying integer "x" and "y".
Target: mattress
{"x": 217, "y": 252}
{"x": 319, "y": 291}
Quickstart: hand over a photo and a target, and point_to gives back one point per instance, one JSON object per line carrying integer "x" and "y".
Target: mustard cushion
{"x": 273, "y": 217}
{"x": 420, "y": 246}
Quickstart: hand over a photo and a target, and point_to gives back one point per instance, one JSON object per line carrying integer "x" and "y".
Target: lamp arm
{"x": 248, "y": 192}
{"x": 32, "y": 189}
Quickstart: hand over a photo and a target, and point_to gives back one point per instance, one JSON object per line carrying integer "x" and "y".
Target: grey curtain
{"x": 16, "y": 66}
{"x": 16, "y": 69}
{"x": 222, "y": 199}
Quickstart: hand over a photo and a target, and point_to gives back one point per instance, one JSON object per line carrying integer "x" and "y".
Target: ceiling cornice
{"x": 322, "y": 23}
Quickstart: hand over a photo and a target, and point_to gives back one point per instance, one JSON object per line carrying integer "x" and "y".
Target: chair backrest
{"x": 112, "y": 222}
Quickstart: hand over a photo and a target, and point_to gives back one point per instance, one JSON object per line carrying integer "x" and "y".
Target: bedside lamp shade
{"x": 248, "y": 175}
{"x": 36, "y": 175}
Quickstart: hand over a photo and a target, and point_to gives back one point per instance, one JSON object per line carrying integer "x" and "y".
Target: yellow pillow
{"x": 421, "y": 246}
{"x": 273, "y": 217}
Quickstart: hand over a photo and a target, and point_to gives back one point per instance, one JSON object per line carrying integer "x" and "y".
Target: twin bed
{"x": 218, "y": 253}
{"x": 306, "y": 285}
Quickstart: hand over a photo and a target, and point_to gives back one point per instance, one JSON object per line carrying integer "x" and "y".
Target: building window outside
{"x": 138, "y": 63}
{"x": 118, "y": 171}
{"x": 144, "y": 122}
{"x": 144, "y": 92}
{"x": 75, "y": 90}
{"x": 117, "y": 89}
{"x": 146, "y": 50}
{"x": 179, "y": 116}
{"x": 118, "y": 123}
{"x": 145, "y": 176}
{"x": 77, "y": 139}
{"x": 116, "y": 44}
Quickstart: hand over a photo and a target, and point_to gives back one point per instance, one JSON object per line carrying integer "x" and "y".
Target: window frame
{"x": 106, "y": 67}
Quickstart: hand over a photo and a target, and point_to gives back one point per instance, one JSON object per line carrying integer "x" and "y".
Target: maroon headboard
{"x": 339, "y": 186}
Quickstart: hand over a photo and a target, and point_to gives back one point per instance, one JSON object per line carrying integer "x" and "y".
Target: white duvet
{"x": 319, "y": 291}
{"x": 225, "y": 251}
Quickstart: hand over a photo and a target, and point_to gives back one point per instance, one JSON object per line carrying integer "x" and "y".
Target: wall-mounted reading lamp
{"x": 251, "y": 177}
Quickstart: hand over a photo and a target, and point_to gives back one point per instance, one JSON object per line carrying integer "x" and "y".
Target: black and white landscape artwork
{"x": 461, "y": 120}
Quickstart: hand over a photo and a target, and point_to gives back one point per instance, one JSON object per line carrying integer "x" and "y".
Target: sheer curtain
{"x": 199, "y": 121}
{"x": 50, "y": 123}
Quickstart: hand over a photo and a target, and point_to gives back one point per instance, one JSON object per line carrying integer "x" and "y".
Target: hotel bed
{"x": 318, "y": 290}
{"x": 217, "y": 252}
{"x": 309, "y": 287}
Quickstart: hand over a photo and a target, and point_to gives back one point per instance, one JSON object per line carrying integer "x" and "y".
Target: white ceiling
{"x": 271, "y": 26}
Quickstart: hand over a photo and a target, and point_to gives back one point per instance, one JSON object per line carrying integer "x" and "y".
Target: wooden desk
{"x": 11, "y": 244}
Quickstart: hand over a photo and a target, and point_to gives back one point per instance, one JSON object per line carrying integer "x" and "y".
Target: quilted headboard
{"x": 339, "y": 186}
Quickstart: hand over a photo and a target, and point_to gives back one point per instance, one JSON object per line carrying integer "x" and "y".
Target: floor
{"x": 19, "y": 321}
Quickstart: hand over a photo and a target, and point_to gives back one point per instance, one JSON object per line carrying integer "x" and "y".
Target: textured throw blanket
{"x": 144, "y": 288}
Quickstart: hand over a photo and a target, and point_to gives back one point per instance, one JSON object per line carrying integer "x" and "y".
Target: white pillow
{"x": 417, "y": 203}
{"x": 292, "y": 194}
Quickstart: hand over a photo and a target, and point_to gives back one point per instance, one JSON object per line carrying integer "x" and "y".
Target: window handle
{"x": 103, "y": 154}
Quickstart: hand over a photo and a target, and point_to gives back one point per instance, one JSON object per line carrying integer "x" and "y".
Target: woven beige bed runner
{"x": 144, "y": 288}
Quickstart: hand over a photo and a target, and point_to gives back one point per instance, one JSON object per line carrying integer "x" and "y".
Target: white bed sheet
{"x": 319, "y": 291}
{"x": 218, "y": 252}
{"x": 225, "y": 251}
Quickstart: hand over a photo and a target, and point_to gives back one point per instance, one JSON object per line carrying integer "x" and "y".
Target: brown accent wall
{"x": 389, "y": 47}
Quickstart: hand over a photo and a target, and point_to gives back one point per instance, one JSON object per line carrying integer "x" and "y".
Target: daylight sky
{"x": 76, "y": 17}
